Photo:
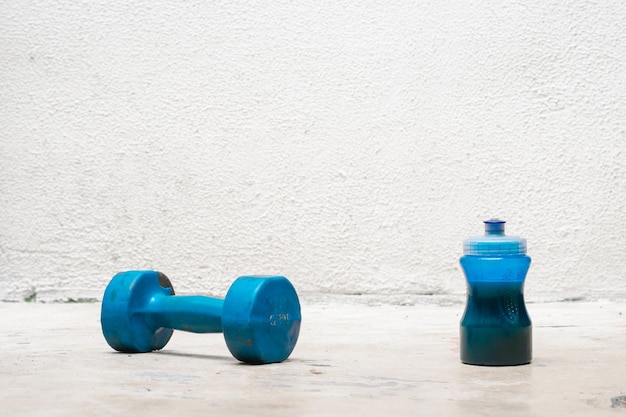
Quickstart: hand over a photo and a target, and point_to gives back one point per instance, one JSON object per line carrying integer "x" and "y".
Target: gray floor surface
{"x": 352, "y": 359}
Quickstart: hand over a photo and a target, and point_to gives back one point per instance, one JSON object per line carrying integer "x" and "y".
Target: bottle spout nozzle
{"x": 494, "y": 227}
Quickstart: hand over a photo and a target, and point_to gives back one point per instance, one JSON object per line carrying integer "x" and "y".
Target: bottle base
{"x": 496, "y": 364}
{"x": 496, "y": 346}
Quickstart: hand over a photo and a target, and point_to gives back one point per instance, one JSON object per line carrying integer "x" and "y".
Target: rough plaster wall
{"x": 351, "y": 146}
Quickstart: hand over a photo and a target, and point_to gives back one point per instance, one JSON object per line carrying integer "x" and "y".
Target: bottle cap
{"x": 494, "y": 242}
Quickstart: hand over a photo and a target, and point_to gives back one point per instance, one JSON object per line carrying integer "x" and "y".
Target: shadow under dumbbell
{"x": 202, "y": 356}
{"x": 194, "y": 355}
{"x": 180, "y": 354}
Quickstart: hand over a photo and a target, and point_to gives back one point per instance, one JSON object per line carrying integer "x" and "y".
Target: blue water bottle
{"x": 495, "y": 328}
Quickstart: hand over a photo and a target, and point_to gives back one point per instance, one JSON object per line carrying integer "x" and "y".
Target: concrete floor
{"x": 352, "y": 359}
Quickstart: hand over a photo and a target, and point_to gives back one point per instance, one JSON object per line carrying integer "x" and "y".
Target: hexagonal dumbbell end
{"x": 126, "y": 319}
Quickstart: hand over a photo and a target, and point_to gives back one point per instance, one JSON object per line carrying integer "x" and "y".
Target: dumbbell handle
{"x": 190, "y": 313}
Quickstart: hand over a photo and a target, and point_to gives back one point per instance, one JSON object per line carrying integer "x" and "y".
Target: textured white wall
{"x": 351, "y": 146}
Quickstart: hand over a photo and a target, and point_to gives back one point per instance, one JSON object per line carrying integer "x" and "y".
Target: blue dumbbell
{"x": 260, "y": 316}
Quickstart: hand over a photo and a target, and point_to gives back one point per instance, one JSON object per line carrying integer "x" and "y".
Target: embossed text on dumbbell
{"x": 275, "y": 319}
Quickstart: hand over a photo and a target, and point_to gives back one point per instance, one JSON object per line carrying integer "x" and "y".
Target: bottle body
{"x": 495, "y": 329}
